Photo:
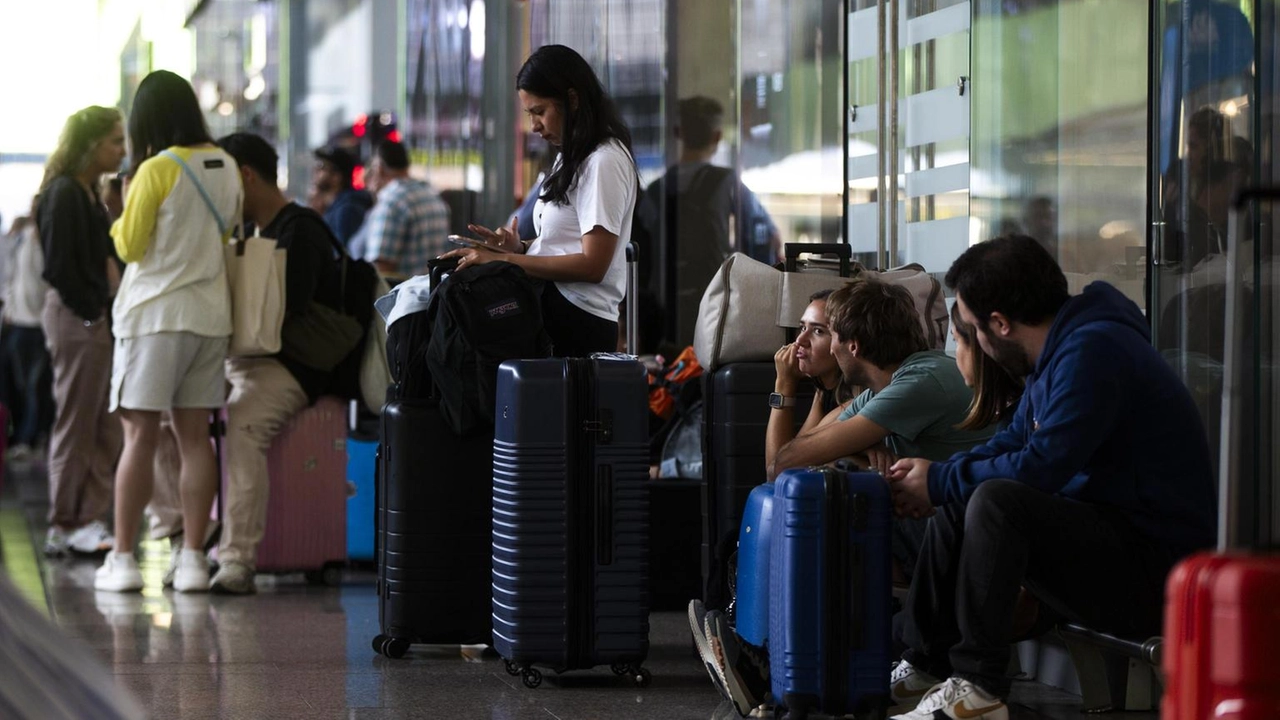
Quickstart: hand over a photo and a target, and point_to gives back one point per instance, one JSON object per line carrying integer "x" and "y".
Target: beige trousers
{"x": 264, "y": 398}
{"x": 86, "y": 439}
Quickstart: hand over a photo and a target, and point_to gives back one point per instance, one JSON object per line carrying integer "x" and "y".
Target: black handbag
{"x": 321, "y": 337}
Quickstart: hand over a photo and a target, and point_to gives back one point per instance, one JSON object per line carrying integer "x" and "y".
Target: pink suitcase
{"x": 306, "y": 528}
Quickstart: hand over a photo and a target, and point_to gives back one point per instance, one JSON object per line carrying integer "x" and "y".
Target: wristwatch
{"x": 778, "y": 400}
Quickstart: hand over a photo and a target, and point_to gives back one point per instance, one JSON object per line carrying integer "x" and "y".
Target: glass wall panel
{"x": 1214, "y": 274}
{"x": 1059, "y": 132}
{"x": 618, "y": 39}
{"x": 444, "y": 90}
{"x": 237, "y": 68}
{"x": 791, "y": 116}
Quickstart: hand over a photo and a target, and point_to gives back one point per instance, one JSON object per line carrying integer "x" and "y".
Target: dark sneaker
{"x": 743, "y": 667}
{"x": 698, "y": 626}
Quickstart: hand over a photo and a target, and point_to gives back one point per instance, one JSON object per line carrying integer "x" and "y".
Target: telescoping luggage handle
{"x": 633, "y": 302}
{"x": 1234, "y": 373}
{"x": 842, "y": 251}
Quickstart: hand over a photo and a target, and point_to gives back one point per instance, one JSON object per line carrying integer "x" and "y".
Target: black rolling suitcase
{"x": 736, "y": 414}
{"x": 433, "y": 530}
{"x": 434, "y": 486}
{"x": 570, "y": 517}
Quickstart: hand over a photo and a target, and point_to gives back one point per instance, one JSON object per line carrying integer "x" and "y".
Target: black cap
{"x": 341, "y": 159}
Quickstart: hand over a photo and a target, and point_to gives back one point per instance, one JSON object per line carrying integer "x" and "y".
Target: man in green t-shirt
{"x": 913, "y": 400}
{"x": 914, "y": 397}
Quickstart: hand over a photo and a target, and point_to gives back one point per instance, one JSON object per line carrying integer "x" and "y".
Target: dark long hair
{"x": 551, "y": 72}
{"x": 165, "y": 113}
{"x": 995, "y": 391}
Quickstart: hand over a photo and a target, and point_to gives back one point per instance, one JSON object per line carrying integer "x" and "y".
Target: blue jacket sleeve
{"x": 348, "y": 220}
{"x": 1079, "y": 406}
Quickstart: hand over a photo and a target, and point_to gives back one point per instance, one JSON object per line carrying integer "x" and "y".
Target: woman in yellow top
{"x": 172, "y": 317}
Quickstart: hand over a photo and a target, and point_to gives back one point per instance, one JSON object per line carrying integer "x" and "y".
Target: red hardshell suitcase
{"x": 306, "y": 528}
{"x": 1222, "y": 628}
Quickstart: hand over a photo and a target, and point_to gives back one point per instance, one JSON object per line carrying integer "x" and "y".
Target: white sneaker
{"x": 55, "y": 542}
{"x": 119, "y": 573}
{"x": 959, "y": 699}
{"x": 192, "y": 573}
{"x": 91, "y": 539}
{"x": 233, "y": 578}
{"x": 908, "y": 684}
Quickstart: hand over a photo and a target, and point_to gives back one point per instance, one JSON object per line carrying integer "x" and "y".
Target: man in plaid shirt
{"x": 410, "y": 223}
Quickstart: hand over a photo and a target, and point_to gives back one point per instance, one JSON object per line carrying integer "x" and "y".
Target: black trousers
{"x": 575, "y": 332}
{"x": 1085, "y": 562}
{"x": 26, "y": 382}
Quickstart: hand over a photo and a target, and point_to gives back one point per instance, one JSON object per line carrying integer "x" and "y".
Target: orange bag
{"x": 663, "y": 390}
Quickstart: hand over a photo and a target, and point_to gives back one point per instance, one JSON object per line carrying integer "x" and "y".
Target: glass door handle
{"x": 1157, "y": 243}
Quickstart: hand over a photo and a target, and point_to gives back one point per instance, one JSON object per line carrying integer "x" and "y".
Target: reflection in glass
{"x": 1060, "y": 132}
{"x": 237, "y": 67}
{"x": 442, "y": 126}
{"x": 1215, "y": 273}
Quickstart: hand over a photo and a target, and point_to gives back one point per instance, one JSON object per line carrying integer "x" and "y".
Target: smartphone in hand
{"x": 473, "y": 243}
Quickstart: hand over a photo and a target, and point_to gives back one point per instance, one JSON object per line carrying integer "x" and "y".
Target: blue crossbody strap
{"x": 222, "y": 225}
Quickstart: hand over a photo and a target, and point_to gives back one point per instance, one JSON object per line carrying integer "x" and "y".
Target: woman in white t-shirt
{"x": 172, "y": 317}
{"x": 584, "y": 212}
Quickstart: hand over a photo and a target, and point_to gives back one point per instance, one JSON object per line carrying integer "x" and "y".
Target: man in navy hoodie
{"x": 1099, "y": 485}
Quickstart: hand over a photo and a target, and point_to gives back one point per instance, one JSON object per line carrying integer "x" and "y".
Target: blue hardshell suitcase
{"x": 830, "y": 590}
{"x": 362, "y": 463}
{"x": 751, "y": 606}
{"x": 570, "y": 516}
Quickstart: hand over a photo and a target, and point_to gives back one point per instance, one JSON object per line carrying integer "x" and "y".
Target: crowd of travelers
{"x": 1054, "y": 468}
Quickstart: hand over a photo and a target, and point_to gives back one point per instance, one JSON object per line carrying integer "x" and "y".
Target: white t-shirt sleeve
{"x": 605, "y": 194}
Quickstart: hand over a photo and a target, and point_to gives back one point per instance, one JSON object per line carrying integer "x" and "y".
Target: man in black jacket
{"x": 267, "y": 392}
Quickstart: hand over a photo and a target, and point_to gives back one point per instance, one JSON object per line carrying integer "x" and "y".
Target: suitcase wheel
{"x": 531, "y": 678}
{"x": 330, "y": 575}
{"x": 394, "y": 648}
{"x": 512, "y": 670}
{"x": 638, "y": 675}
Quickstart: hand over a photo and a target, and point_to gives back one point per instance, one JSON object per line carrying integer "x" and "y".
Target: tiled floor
{"x": 298, "y": 651}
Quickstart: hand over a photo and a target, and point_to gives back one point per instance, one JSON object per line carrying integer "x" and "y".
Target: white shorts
{"x": 169, "y": 370}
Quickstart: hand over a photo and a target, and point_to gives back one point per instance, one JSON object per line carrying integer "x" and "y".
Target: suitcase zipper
{"x": 580, "y": 599}
{"x": 841, "y": 605}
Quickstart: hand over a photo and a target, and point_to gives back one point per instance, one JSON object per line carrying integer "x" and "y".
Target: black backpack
{"x": 475, "y": 319}
{"x": 697, "y": 243}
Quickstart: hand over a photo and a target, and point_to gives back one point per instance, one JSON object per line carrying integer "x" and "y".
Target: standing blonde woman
{"x": 81, "y": 268}
{"x": 172, "y": 317}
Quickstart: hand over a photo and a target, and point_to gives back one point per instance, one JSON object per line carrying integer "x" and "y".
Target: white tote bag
{"x": 256, "y": 278}
{"x": 256, "y": 275}
{"x": 375, "y": 375}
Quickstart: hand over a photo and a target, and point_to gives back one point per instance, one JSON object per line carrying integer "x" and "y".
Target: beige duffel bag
{"x": 747, "y": 308}
{"x": 740, "y": 318}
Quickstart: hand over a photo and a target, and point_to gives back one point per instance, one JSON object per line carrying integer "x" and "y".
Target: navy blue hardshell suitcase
{"x": 829, "y": 605}
{"x": 751, "y": 606}
{"x": 570, "y": 516}
{"x": 433, "y": 530}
